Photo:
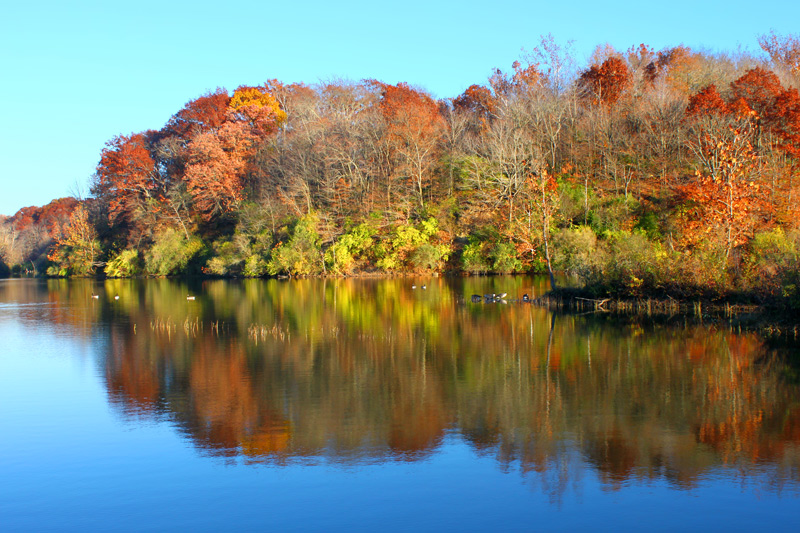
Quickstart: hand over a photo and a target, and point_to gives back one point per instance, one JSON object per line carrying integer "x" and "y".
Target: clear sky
{"x": 76, "y": 73}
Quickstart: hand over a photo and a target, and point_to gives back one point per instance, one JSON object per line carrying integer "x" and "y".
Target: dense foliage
{"x": 671, "y": 172}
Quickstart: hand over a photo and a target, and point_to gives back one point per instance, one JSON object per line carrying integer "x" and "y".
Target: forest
{"x": 644, "y": 173}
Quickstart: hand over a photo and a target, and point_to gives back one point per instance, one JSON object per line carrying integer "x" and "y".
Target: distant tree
{"x": 216, "y": 159}
{"x": 126, "y": 179}
{"x": 479, "y": 102}
{"x": 414, "y": 131}
{"x": 201, "y": 115}
{"x": 784, "y": 50}
{"x": 77, "y": 248}
{"x": 605, "y": 83}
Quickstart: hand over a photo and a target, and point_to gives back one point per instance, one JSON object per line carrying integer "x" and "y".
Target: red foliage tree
{"x": 203, "y": 114}
{"x": 478, "y": 101}
{"x": 217, "y": 158}
{"x": 784, "y": 119}
{"x": 607, "y": 82}
{"x": 46, "y": 220}
{"x": 707, "y": 102}
{"x": 126, "y": 176}
{"x": 215, "y": 164}
{"x": 414, "y": 129}
{"x": 758, "y": 87}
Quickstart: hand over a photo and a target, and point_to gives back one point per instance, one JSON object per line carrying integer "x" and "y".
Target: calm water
{"x": 357, "y": 405}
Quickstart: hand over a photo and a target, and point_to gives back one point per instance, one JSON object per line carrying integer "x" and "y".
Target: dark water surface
{"x": 366, "y": 404}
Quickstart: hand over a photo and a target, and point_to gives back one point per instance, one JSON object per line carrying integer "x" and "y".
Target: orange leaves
{"x": 758, "y": 99}
{"x": 203, "y": 114}
{"x": 758, "y": 88}
{"x": 215, "y": 164}
{"x": 77, "y": 245}
{"x": 478, "y": 101}
{"x": 216, "y": 159}
{"x": 605, "y": 83}
{"x": 49, "y": 216}
{"x": 406, "y": 108}
{"x": 414, "y": 127}
{"x": 785, "y": 121}
{"x": 707, "y": 102}
{"x": 125, "y": 174}
{"x": 206, "y": 146}
{"x": 78, "y": 230}
{"x": 730, "y": 203}
{"x": 524, "y": 79}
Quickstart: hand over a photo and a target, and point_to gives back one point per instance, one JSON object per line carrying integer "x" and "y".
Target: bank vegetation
{"x": 645, "y": 173}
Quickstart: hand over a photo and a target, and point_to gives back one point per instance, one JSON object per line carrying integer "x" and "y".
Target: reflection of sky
{"x": 69, "y": 462}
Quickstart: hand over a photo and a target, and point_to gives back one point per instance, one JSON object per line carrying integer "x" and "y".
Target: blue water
{"x": 71, "y": 459}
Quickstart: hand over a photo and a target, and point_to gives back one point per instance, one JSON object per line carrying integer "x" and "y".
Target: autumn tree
{"x": 532, "y": 224}
{"x": 216, "y": 159}
{"x": 215, "y": 164}
{"x": 257, "y": 107}
{"x": 784, "y": 121}
{"x": 201, "y": 115}
{"x": 414, "y": 130}
{"x": 77, "y": 248}
{"x": 717, "y": 130}
{"x": 125, "y": 175}
{"x": 757, "y": 89}
{"x": 605, "y": 83}
{"x": 784, "y": 50}
{"x": 479, "y": 103}
{"x": 726, "y": 190}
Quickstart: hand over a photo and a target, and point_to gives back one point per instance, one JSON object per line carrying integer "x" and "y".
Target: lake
{"x": 368, "y": 404}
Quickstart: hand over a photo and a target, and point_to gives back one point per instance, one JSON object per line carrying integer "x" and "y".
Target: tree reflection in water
{"x": 353, "y": 371}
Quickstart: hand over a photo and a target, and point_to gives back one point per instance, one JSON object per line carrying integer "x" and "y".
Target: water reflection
{"x": 359, "y": 371}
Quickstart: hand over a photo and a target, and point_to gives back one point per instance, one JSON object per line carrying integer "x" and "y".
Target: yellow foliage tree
{"x": 258, "y": 106}
{"x": 77, "y": 246}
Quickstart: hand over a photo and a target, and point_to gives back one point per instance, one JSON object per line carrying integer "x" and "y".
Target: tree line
{"x": 669, "y": 172}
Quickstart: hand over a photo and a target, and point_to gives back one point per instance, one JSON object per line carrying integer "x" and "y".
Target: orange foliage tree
{"x": 414, "y": 128}
{"x": 203, "y": 114}
{"x": 215, "y": 164}
{"x": 126, "y": 177}
{"x": 216, "y": 159}
{"x": 605, "y": 83}
{"x": 479, "y": 102}
{"x": 784, "y": 119}
{"x": 729, "y": 200}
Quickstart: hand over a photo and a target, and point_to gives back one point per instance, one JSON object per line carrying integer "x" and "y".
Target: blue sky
{"x": 77, "y": 73}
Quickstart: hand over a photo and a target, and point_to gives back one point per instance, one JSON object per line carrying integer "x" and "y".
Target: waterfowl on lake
{"x": 413, "y": 286}
{"x": 526, "y": 298}
{"x": 116, "y": 296}
{"x": 190, "y": 297}
{"x": 424, "y": 287}
{"x": 476, "y": 298}
{"x": 95, "y": 296}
